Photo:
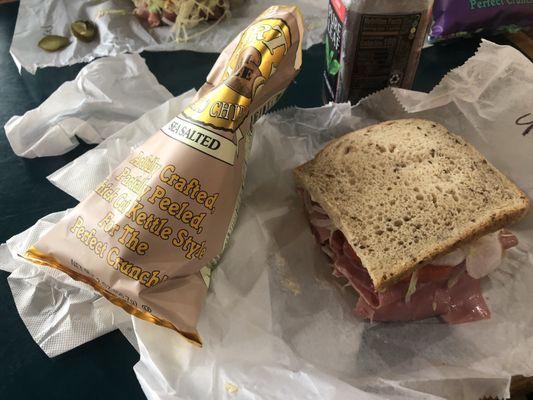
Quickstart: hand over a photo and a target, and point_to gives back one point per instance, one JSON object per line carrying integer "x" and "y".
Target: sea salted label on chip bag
{"x": 149, "y": 235}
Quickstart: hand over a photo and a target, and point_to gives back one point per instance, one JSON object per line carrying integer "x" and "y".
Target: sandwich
{"x": 413, "y": 217}
{"x": 180, "y": 14}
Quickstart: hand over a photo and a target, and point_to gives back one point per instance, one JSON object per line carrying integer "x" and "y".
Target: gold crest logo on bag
{"x": 255, "y": 59}
{"x": 211, "y": 124}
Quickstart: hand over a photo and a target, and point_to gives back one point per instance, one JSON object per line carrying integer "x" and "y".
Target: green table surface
{"x": 103, "y": 368}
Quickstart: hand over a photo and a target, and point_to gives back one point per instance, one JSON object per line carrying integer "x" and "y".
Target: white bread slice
{"x": 405, "y": 191}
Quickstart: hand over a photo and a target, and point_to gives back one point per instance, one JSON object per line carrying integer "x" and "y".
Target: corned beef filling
{"x": 437, "y": 290}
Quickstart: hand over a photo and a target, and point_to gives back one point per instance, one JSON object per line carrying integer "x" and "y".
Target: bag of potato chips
{"x": 148, "y": 237}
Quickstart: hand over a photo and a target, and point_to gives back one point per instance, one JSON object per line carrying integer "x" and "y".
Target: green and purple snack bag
{"x": 458, "y": 18}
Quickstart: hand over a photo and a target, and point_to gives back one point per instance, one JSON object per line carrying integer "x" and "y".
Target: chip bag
{"x": 148, "y": 237}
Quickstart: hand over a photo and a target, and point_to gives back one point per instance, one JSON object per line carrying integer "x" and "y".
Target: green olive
{"x": 53, "y": 42}
{"x": 83, "y": 30}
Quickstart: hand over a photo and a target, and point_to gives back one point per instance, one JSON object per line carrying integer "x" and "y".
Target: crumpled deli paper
{"x": 96, "y": 104}
{"x": 120, "y": 31}
{"x": 277, "y": 326}
{"x": 59, "y": 312}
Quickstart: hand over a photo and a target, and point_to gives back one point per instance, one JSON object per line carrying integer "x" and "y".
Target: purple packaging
{"x": 457, "y": 18}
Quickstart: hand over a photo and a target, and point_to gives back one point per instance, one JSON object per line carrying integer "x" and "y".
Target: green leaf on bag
{"x": 332, "y": 65}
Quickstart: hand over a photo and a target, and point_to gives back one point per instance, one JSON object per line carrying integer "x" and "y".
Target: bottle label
{"x": 381, "y": 52}
{"x": 333, "y": 40}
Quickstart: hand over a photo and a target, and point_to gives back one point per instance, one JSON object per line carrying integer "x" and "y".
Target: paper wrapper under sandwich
{"x": 148, "y": 237}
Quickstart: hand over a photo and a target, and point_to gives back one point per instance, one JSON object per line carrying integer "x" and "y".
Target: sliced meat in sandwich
{"x": 413, "y": 217}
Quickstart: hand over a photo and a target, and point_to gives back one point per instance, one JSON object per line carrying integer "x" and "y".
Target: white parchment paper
{"x": 122, "y": 32}
{"x": 93, "y": 106}
{"x": 277, "y": 326}
{"x": 59, "y": 312}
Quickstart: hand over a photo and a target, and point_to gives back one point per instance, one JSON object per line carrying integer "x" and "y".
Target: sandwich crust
{"x": 403, "y": 192}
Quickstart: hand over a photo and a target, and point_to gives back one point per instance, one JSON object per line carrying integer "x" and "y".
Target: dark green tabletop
{"x": 104, "y": 367}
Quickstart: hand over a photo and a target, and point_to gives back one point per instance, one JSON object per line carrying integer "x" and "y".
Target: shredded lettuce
{"x": 412, "y": 286}
{"x": 452, "y": 281}
{"x": 327, "y": 250}
{"x": 113, "y": 11}
{"x": 331, "y": 232}
{"x": 322, "y": 223}
{"x": 318, "y": 209}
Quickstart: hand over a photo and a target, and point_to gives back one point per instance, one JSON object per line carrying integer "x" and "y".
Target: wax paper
{"x": 120, "y": 31}
{"x": 276, "y": 324}
{"x": 72, "y": 179}
{"x": 93, "y": 106}
{"x": 59, "y": 312}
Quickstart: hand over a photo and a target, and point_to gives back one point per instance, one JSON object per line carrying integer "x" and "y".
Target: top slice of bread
{"x": 403, "y": 192}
